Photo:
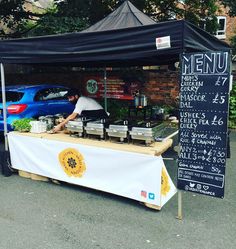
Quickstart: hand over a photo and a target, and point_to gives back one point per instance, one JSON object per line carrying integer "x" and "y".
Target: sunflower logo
{"x": 165, "y": 186}
{"x": 72, "y": 162}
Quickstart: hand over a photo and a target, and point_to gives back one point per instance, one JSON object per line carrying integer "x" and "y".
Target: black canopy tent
{"x": 123, "y": 47}
{"x": 125, "y": 16}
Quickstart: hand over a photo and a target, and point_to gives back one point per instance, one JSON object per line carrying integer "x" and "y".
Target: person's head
{"x": 73, "y": 95}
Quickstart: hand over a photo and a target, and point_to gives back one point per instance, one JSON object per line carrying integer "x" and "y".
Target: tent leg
{"x": 4, "y": 106}
{"x": 105, "y": 89}
{"x": 180, "y": 211}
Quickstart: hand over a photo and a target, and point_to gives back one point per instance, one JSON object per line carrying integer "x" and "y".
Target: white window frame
{"x": 221, "y": 33}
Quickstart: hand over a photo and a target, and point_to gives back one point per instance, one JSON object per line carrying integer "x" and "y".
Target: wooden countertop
{"x": 156, "y": 148}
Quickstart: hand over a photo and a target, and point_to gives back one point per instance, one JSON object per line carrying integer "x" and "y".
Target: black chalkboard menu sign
{"x": 204, "y": 100}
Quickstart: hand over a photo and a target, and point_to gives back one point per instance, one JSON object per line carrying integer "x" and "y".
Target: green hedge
{"x": 232, "y": 107}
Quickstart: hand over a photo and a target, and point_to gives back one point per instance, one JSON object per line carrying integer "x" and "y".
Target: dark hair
{"x": 73, "y": 92}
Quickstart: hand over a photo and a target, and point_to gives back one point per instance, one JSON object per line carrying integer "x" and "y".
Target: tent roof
{"x": 125, "y": 16}
{"x": 122, "y": 47}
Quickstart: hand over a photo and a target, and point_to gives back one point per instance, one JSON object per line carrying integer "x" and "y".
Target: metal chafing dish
{"x": 146, "y": 131}
{"x": 96, "y": 127}
{"x": 170, "y": 130}
{"x": 77, "y": 126}
{"x": 52, "y": 120}
{"x": 49, "y": 120}
{"x": 118, "y": 129}
{"x": 153, "y": 131}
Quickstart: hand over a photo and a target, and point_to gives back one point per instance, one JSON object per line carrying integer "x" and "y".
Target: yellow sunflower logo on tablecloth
{"x": 72, "y": 162}
{"x": 165, "y": 186}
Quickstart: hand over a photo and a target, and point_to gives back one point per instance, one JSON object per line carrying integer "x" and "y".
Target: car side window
{"x": 13, "y": 96}
{"x": 56, "y": 93}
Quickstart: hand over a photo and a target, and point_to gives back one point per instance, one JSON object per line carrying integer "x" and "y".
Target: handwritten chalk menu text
{"x": 204, "y": 100}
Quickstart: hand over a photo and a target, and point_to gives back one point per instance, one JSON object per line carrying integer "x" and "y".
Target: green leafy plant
{"x": 22, "y": 125}
{"x": 232, "y": 108}
{"x": 118, "y": 109}
{"x": 168, "y": 109}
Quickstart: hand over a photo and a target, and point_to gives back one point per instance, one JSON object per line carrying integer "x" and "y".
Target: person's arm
{"x": 62, "y": 124}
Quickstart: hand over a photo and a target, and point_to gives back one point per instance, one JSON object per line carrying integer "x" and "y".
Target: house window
{"x": 221, "y": 31}
{"x": 202, "y": 24}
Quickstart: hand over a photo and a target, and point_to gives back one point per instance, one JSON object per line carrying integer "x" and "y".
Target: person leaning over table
{"x": 84, "y": 106}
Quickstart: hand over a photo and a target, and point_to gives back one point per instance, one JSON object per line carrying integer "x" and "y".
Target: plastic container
{"x": 38, "y": 127}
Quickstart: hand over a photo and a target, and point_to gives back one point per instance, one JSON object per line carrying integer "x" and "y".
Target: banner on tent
{"x": 115, "y": 88}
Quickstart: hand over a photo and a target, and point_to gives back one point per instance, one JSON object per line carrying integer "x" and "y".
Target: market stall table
{"x": 133, "y": 171}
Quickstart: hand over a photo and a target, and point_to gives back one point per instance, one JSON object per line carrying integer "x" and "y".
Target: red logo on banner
{"x": 144, "y": 194}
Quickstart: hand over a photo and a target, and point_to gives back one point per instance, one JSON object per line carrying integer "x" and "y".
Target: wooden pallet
{"x": 33, "y": 176}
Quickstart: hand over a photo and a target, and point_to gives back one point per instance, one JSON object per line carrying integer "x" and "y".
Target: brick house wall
{"x": 230, "y": 27}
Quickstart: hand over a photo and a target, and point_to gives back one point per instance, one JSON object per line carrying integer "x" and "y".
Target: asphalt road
{"x": 44, "y": 215}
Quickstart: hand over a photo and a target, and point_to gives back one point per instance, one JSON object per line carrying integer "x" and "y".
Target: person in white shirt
{"x": 84, "y": 106}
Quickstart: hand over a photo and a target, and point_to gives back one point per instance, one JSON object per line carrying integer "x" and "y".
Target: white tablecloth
{"x": 138, "y": 176}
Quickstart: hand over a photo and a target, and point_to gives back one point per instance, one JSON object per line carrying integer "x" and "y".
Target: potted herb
{"x": 22, "y": 125}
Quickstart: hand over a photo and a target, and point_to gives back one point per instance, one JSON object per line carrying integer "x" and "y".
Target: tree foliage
{"x": 159, "y": 10}
{"x": 232, "y": 6}
{"x": 12, "y": 14}
{"x": 75, "y": 15}
{"x": 233, "y": 44}
{"x": 53, "y": 23}
{"x": 202, "y": 13}
{"x": 91, "y": 10}
{"x": 197, "y": 12}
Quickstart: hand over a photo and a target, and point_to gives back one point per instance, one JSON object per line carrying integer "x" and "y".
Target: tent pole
{"x": 180, "y": 206}
{"x": 105, "y": 89}
{"x": 4, "y": 105}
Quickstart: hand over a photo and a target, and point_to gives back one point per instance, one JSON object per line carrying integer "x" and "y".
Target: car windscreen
{"x": 12, "y": 96}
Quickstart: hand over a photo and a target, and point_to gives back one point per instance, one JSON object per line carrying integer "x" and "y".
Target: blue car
{"x": 32, "y": 101}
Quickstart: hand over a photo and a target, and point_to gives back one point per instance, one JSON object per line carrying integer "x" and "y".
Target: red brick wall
{"x": 230, "y": 27}
{"x": 162, "y": 87}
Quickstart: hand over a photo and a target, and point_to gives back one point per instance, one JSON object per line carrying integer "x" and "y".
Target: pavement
{"x": 44, "y": 215}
